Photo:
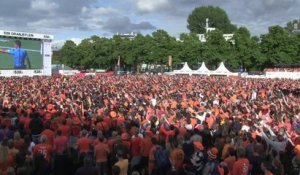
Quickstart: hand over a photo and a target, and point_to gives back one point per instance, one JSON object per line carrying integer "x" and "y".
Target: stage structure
{"x": 37, "y": 48}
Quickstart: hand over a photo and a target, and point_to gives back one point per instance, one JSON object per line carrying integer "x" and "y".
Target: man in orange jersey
{"x": 242, "y": 165}
{"x": 83, "y": 145}
{"x": 43, "y": 148}
{"x": 101, "y": 152}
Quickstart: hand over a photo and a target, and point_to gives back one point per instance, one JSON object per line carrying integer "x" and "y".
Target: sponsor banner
{"x": 26, "y": 35}
{"x": 289, "y": 75}
{"x": 105, "y": 73}
{"x": 19, "y": 73}
{"x": 68, "y": 72}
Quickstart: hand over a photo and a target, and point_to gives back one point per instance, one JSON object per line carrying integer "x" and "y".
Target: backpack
{"x": 161, "y": 158}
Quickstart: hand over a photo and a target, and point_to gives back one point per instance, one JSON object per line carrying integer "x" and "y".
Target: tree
{"x": 164, "y": 46}
{"x": 216, "y": 49}
{"x": 246, "y": 50}
{"x": 141, "y": 49}
{"x": 69, "y": 54}
{"x": 57, "y": 57}
{"x": 103, "y": 52}
{"x": 87, "y": 54}
{"x": 190, "y": 49}
{"x": 279, "y": 47}
{"x": 217, "y": 18}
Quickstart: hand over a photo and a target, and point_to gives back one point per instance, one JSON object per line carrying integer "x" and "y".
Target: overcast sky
{"x": 67, "y": 19}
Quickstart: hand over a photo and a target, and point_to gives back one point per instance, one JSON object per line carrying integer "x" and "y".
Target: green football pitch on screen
{"x": 33, "y": 48}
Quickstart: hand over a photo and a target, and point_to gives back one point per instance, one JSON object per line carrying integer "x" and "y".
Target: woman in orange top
{"x": 18, "y": 141}
{"x": 152, "y": 155}
{"x": 12, "y": 152}
{"x": 177, "y": 158}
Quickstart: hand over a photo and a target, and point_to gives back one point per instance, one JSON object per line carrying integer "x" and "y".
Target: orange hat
{"x": 198, "y": 145}
{"x": 212, "y": 153}
{"x": 297, "y": 149}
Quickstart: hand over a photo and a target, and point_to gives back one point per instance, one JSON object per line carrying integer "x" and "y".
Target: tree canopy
{"x": 218, "y": 18}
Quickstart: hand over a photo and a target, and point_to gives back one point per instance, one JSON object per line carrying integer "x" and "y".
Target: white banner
{"x": 20, "y": 73}
{"x": 26, "y": 35}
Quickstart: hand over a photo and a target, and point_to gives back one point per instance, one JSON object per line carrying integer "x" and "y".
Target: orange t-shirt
{"x": 230, "y": 161}
{"x": 84, "y": 145}
{"x": 210, "y": 121}
{"x": 146, "y": 146}
{"x": 44, "y": 149}
{"x": 50, "y": 136}
{"x": 101, "y": 152}
{"x": 177, "y": 158}
{"x": 12, "y": 157}
{"x": 102, "y": 126}
{"x": 152, "y": 153}
{"x": 65, "y": 130}
{"x": 182, "y": 131}
{"x": 225, "y": 151}
{"x": 173, "y": 105}
{"x": 152, "y": 158}
{"x": 241, "y": 167}
{"x": 18, "y": 143}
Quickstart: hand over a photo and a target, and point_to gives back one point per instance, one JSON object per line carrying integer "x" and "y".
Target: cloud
{"x": 137, "y": 15}
{"x": 124, "y": 25}
{"x": 43, "y": 5}
{"x": 257, "y": 15}
{"x": 151, "y": 6}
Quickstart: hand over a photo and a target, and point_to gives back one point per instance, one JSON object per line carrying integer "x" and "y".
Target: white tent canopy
{"x": 203, "y": 70}
{"x": 222, "y": 70}
{"x": 184, "y": 70}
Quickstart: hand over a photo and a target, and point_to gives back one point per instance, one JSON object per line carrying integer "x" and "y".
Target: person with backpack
{"x": 197, "y": 160}
{"x": 212, "y": 165}
{"x": 159, "y": 162}
{"x": 162, "y": 160}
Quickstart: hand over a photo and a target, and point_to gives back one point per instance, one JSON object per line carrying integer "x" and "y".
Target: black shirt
{"x": 87, "y": 170}
{"x": 36, "y": 126}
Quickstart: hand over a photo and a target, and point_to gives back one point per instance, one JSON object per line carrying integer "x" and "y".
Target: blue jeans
{"x": 102, "y": 168}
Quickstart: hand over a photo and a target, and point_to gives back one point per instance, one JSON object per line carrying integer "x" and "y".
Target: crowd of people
{"x": 149, "y": 125}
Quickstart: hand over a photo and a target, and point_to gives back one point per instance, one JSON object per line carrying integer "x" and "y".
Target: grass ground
{"x": 33, "y": 48}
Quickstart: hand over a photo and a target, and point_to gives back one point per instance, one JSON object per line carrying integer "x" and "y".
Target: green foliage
{"x": 217, "y": 18}
{"x": 190, "y": 49}
{"x": 217, "y": 49}
{"x": 70, "y": 54}
{"x": 278, "y": 46}
{"x": 246, "y": 50}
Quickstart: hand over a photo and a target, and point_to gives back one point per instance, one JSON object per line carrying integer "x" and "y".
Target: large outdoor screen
{"x": 29, "y": 56}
